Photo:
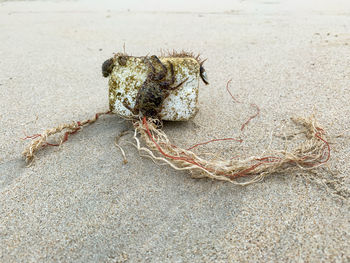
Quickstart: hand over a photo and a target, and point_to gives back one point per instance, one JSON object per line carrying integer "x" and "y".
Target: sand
{"x": 79, "y": 203}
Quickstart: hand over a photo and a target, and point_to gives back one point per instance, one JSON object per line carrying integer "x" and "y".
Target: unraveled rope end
{"x": 312, "y": 153}
{"x": 40, "y": 141}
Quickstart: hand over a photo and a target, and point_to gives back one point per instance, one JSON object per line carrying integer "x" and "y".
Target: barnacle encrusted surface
{"x": 127, "y": 78}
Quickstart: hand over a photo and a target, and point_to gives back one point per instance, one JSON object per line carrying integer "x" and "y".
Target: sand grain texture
{"x": 79, "y": 203}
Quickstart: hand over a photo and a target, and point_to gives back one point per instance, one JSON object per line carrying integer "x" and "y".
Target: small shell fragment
{"x": 129, "y": 73}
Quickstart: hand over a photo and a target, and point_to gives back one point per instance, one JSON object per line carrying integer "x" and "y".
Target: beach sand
{"x": 79, "y": 203}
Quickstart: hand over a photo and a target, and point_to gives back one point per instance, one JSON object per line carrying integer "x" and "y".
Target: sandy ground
{"x": 79, "y": 203}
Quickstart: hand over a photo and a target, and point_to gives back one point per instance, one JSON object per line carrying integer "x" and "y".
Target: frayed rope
{"x": 40, "y": 140}
{"x": 310, "y": 154}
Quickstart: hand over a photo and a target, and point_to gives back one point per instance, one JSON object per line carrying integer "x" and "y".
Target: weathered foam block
{"x": 180, "y": 105}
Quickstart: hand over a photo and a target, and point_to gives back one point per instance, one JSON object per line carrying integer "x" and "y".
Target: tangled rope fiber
{"x": 40, "y": 140}
{"x": 313, "y": 152}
